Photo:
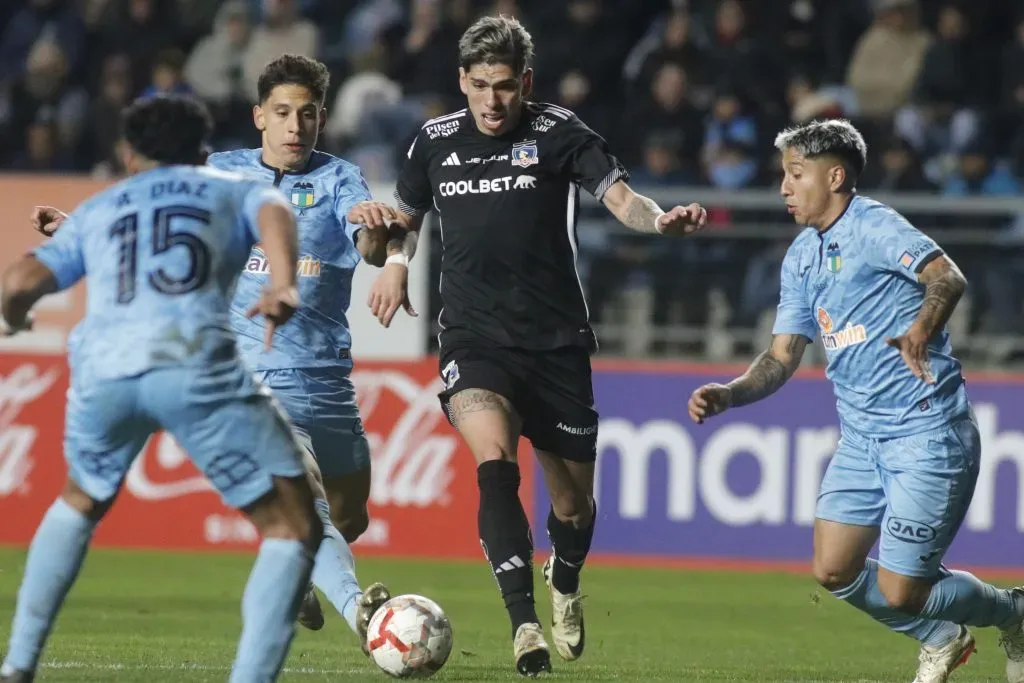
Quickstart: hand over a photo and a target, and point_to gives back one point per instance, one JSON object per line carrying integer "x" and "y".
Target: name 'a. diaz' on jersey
{"x": 321, "y": 195}
{"x": 162, "y": 250}
{"x": 507, "y": 209}
{"x": 856, "y": 284}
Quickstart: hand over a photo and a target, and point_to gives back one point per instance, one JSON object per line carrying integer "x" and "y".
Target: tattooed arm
{"x": 944, "y": 284}
{"x": 643, "y": 214}
{"x": 764, "y": 377}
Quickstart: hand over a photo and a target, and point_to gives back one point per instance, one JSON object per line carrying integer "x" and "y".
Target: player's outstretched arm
{"x": 944, "y": 284}
{"x": 764, "y": 377}
{"x": 390, "y": 291}
{"x": 643, "y": 214}
{"x": 372, "y": 238}
{"x": 280, "y": 243}
{"x": 24, "y": 283}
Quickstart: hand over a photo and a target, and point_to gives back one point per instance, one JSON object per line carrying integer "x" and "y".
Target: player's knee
{"x": 351, "y": 524}
{"x": 833, "y": 578}
{"x": 573, "y": 507}
{"x": 79, "y": 500}
{"x": 287, "y": 513}
{"x": 904, "y": 594}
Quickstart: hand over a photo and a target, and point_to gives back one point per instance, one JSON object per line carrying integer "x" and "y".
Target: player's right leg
{"x": 103, "y": 434}
{"x": 851, "y": 506}
{"x": 476, "y": 399}
{"x": 241, "y": 441}
{"x": 306, "y": 397}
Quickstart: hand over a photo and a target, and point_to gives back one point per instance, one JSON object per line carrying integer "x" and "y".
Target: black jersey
{"x": 507, "y": 209}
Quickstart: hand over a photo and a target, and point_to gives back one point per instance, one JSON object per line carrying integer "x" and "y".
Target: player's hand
{"x": 682, "y": 220}
{"x": 10, "y": 329}
{"x": 390, "y": 291}
{"x": 373, "y": 215}
{"x": 708, "y": 401}
{"x": 46, "y": 219}
{"x": 913, "y": 346}
{"x": 277, "y": 306}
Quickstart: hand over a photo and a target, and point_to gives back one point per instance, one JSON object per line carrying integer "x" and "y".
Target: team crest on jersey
{"x": 302, "y": 195}
{"x": 833, "y": 258}
{"x": 525, "y": 153}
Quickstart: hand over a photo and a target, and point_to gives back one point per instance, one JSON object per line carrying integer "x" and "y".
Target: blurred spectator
{"x": 943, "y": 120}
{"x": 141, "y": 29}
{"x": 1011, "y": 100}
{"x": 665, "y": 109}
{"x": 662, "y": 162}
{"x": 730, "y": 135}
{"x": 115, "y": 92}
{"x": 45, "y": 93}
{"x": 808, "y": 101}
{"x": 168, "y": 75}
{"x": 215, "y": 68}
{"x": 46, "y": 20}
{"x": 583, "y": 39}
{"x": 978, "y": 173}
{"x": 672, "y": 43}
{"x": 897, "y": 168}
{"x": 888, "y": 58}
{"x": 427, "y": 60}
{"x": 743, "y": 59}
{"x": 43, "y": 151}
{"x": 283, "y": 31}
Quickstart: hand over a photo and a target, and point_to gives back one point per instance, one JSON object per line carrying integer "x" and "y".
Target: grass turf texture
{"x": 155, "y": 617}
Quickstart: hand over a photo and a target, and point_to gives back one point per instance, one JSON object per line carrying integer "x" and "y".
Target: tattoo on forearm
{"x": 940, "y": 298}
{"x": 764, "y": 377}
{"x": 477, "y": 400}
{"x": 641, "y": 213}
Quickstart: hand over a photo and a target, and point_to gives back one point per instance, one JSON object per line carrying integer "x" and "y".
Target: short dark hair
{"x": 834, "y": 137}
{"x": 168, "y": 129}
{"x": 497, "y": 40}
{"x": 295, "y": 70}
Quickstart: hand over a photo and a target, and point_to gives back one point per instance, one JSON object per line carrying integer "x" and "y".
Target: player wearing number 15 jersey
{"x": 162, "y": 251}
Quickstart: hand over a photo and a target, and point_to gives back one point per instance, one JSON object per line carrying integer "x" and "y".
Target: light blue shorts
{"x": 916, "y": 489}
{"x": 230, "y": 426}
{"x": 321, "y": 404}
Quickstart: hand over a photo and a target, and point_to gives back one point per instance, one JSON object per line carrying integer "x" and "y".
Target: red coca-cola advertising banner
{"x": 423, "y": 497}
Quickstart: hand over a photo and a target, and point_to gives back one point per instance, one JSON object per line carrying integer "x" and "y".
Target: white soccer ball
{"x": 410, "y": 637}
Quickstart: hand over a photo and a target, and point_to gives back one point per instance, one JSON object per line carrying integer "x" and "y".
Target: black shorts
{"x": 551, "y": 390}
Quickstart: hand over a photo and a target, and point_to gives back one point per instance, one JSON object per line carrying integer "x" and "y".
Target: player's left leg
{"x": 561, "y": 423}
{"x": 103, "y": 435}
{"x": 338, "y": 457}
{"x": 929, "y": 480}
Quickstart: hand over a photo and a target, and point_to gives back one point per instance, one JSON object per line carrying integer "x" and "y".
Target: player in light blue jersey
{"x": 308, "y": 369}
{"x": 879, "y": 293}
{"x": 162, "y": 251}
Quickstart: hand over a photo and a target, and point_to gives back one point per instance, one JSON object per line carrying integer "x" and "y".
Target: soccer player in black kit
{"x": 504, "y": 176}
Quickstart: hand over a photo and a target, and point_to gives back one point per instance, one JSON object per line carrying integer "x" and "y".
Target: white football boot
{"x": 531, "y": 650}
{"x": 567, "y": 628}
{"x": 937, "y": 663}
{"x": 1012, "y": 640}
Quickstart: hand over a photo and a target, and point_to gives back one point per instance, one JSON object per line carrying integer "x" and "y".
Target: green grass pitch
{"x": 158, "y": 617}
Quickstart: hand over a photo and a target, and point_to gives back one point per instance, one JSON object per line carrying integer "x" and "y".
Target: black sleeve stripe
{"x": 932, "y": 255}
{"x": 616, "y": 175}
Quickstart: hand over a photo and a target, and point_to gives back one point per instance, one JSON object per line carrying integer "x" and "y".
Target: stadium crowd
{"x": 688, "y": 92}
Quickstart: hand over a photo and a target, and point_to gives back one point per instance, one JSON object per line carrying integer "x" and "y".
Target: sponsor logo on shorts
{"x": 910, "y": 531}
{"x": 589, "y": 430}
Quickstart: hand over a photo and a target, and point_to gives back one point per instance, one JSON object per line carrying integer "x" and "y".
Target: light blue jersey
{"x": 856, "y": 284}
{"x": 163, "y": 251}
{"x": 308, "y": 369}
{"x": 322, "y": 195}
